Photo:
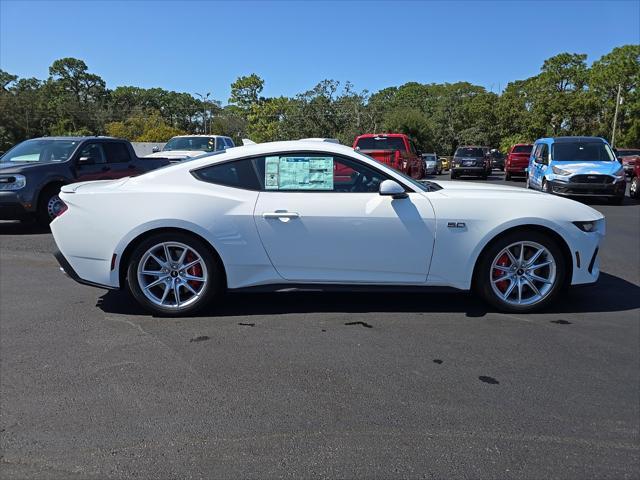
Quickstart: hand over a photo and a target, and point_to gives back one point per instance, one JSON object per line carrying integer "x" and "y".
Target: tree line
{"x": 567, "y": 97}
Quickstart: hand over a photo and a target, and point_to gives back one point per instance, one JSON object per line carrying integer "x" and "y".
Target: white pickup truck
{"x": 188, "y": 146}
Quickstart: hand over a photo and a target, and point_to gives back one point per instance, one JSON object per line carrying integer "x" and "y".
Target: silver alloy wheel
{"x": 54, "y": 205}
{"x": 633, "y": 188}
{"x": 172, "y": 275}
{"x": 523, "y": 273}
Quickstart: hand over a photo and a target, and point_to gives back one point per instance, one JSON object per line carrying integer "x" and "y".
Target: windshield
{"x": 628, "y": 152}
{"x": 380, "y": 143}
{"x": 582, "y": 152}
{"x": 205, "y": 144}
{"x": 42, "y": 151}
{"x": 430, "y": 158}
{"x": 469, "y": 152}
{"x": 522, "y": 149}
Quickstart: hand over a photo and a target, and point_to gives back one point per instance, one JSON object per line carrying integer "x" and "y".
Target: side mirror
{"x": 155, "y": 149}
{"x": 392, "y": 189}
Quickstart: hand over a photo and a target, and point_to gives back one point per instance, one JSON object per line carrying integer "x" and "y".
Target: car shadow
{"x": 610, "y": 294}
{"x": 22, "y": 228}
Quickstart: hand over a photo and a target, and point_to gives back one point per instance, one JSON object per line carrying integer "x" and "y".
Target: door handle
{"x": 280, "y": 215}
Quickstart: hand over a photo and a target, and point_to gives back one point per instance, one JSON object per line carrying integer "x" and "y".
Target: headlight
{"x": 12, "y": 182}
{"x": 559, "y": 171}
{"x": 586, "y": 226}
{"x": 619, "y": 173}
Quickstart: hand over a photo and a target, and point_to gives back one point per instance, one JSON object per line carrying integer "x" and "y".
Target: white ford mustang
{"x": 308, "y": 212}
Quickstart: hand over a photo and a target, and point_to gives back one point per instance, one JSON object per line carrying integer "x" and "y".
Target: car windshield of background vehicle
{"x": 204, "y": 144}
{"x": 582, "y": 152}
{"x": 430, "y": 158}
{"x": 522, "y": 149}
{"x": 628, "y": 153}
{"x": 381, "y": 143}
{"x": 42, "y": 151}
{"x": 469, "y": 152}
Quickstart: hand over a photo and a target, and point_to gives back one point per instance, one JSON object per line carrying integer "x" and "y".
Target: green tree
{"x": 245, "y": 91}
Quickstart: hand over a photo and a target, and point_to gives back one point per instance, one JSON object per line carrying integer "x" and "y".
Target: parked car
{"x": 517, "y": 161}
{"x": 471, "y": 161}
{"x": 259, "y": 216}
{"x": 628, "y": 157}
{"x": 497, "y": 159}
{"x": 635, "y": 180}
{"x": 188, "y": 146}
{"x": 576, "y": 166}
{"x": 396, "y": 150}
{"x": 446, "y": 163}
{"x": 432, "y": 164}
{"x": 32, "y": 172}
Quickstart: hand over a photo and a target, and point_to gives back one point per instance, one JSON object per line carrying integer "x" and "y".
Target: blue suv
{"x": 576, "y": 166}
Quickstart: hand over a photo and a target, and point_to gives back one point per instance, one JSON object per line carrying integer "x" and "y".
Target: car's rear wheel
{"x": 507, "y": 176}
{"x": 174, "y": 274}
{"x": 521, "y": 271}
{"x": 633, "y": 188}
{"x": 453, "y": 175}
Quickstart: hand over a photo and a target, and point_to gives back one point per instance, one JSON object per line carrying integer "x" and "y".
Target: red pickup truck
{"x": 517, "y": 161}
{"x": 393, "y": 149}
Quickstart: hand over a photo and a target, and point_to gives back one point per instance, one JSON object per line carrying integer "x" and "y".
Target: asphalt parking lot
{"x": 319, "y": 385}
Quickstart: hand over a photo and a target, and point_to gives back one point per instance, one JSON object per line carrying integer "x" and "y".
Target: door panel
{"x": 346, "y": 237}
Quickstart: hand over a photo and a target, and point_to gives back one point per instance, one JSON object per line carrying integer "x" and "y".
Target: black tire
{"x": 453, "y": 175}
{"x": 212, "y": 289}
{"x": 482, "y": 279}
{"x": 45, "y": 212}
{"x": 633, "y": 188}
{"x": 546, "y": 188}
{"x": 507, "y": 177}
{"x": 484, "y": 177}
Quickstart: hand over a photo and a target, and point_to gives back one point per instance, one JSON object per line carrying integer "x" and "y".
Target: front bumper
{"x": 616, "y": 189}
{"x": 516, "y": 171}
{"x": 12, "y": 206}
{"x": 472, "y": 171}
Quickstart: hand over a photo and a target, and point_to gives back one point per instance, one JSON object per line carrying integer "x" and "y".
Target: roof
{"x": 370, "y": 135}
{"x": 571, "y": 139}
{"x": 199, "y": 135}
{"x": 77, "y": 139}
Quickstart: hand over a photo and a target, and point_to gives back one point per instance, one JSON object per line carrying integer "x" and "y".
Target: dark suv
{"x": 32, "y": 172}
{"x": 472, "y": 161}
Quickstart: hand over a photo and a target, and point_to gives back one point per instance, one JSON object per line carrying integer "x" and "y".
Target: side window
{"x": 229, "y": 142}
{"x": 92, "y": 154}
{"x": 317, "y": 173}
{"x": 116, "y": 152}
{"x": 237, "y": 174}
{"x": 220, "y": 145}
{"x": 544, "y": 154}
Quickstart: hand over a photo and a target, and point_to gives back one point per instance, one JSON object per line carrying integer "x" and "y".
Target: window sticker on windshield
{"x": 298, "y": 173}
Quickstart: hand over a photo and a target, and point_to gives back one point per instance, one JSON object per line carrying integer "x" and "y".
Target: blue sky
{"x": 204, "y": 46}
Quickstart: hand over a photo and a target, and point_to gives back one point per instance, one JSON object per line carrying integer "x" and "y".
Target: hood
{"x": 176, "y": 154}
{"x": 589, "y": 168}
{"x": 14, "y": 167}
{"x": 530, "y": 200}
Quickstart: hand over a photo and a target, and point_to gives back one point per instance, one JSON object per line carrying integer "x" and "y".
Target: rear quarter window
{"x": 237, "y": 174}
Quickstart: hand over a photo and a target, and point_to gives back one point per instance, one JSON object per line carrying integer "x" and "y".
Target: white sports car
{"x": 308, "y": 212}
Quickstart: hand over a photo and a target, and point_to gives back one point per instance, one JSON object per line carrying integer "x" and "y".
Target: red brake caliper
{"x": 503, "y": 261}
{"x": 196, "y": 270}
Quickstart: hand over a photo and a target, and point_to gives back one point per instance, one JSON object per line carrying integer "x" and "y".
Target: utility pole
{"x": 205, "y": 100}
{"x": 615, "y": 118}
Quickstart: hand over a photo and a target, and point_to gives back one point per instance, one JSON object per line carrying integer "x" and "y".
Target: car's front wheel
{"x": 49, "y": 205}
{"x": 521, "y": 271}
{"x": 173, "y": 274}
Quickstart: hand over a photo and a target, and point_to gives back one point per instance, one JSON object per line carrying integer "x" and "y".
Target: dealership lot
{"x": 310, "y": 385}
